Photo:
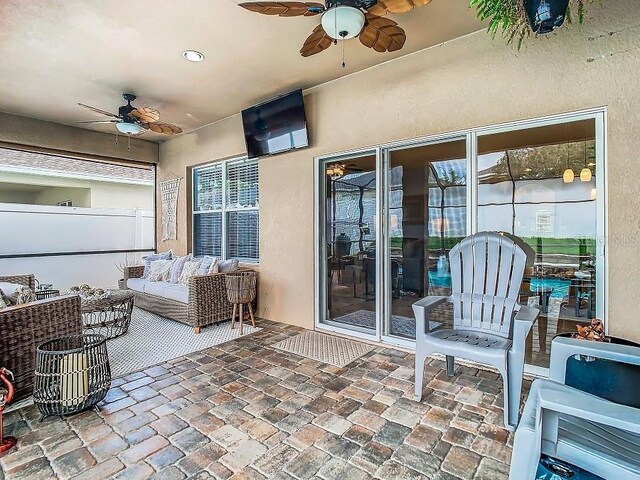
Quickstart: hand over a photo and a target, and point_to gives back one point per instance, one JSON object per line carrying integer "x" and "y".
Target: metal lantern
{"x": 545, "y": 15}
{"x": 72, "y": 374}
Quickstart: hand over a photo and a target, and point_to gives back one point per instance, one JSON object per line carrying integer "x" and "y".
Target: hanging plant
{"x": 516, "y": 20}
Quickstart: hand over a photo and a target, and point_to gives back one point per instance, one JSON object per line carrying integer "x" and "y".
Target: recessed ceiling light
{"x": 193, "y": 56}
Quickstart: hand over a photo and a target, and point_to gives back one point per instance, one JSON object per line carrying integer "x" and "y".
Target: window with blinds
{"x": 226, "y": 218}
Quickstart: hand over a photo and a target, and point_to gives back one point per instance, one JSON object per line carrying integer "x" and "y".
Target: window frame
{"x": 225, "y": 209}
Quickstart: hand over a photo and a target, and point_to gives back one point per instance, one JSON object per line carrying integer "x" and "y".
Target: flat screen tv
{"x": 275, "y": 126}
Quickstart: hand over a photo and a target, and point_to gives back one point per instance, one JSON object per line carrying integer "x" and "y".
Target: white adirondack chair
{"x": 590, "y": 432}
{"x": 489, "y": 326}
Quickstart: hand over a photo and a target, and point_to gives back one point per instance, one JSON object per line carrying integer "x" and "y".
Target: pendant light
{"x": 568, "y": 176}
{"x": 585, "y": 173}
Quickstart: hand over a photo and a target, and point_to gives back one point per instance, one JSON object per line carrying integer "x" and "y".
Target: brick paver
{"x": 244, "y": 410}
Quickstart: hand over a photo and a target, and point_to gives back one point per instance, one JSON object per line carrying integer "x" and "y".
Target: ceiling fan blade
{"x": 146, "y": 114}
{"x": 382, "y": 34}
{"x": 316, "y": 42}
{"x": 166, "y": 128}
{"x": 396, "y": 6}
{"x": 101, "y": 121}
{"x": 285, "y": 9}
{"x": 97, "y": 110}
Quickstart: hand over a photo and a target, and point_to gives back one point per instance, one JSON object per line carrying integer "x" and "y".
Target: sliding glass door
{"x": 426, "y": 215}
{"x": 388, "y": 217}
{"x": 348, "y": 240}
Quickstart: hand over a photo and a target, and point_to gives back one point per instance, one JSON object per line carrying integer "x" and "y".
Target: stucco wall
{"x": 38, "y": 133}
{"x": 469, "y": 82}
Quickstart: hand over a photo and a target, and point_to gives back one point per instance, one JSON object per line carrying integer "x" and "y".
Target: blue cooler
{"x": 552, "y": 469}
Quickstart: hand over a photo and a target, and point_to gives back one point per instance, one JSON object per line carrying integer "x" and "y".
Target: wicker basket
{"x": 72, "y": 374}
{"x": 241, "y": 286}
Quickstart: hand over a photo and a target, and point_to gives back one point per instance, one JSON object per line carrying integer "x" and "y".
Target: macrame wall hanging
{"x": 169, "y": 193}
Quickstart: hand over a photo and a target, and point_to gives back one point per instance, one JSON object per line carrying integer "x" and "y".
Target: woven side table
{"x": 109, "y": 316}
{"x": 72, "y": 374}
{"x": 241, "y": 290}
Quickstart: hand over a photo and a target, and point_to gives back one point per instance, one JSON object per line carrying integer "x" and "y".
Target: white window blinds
{"x": 229, "y": 228}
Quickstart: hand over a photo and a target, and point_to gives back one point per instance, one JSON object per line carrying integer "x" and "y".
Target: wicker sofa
{"x": 203, "y": 302}
{"x": 24, "y": 327}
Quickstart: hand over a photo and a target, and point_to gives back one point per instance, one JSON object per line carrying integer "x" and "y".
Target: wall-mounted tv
{"x": 275, "y": 126}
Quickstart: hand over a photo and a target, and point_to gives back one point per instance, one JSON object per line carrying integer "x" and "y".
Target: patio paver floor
{"x": 243, "y": 410}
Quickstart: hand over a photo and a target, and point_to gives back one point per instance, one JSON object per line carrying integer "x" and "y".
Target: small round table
{"x": 109, "y": 316}
{"x": 72, "y": 374}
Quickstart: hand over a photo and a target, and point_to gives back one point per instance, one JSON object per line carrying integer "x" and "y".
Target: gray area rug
{"x": 324, "y": 348}
{"x": 400, "y": 325}
{"x": 153, "y": 339}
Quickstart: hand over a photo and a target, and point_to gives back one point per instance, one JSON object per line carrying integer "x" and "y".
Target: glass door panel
{"x": 427, "y": 216}
{"x": 349, "y": 250}
{"x": 540, "y": 184}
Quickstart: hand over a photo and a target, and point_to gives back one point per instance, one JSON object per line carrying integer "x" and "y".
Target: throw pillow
{"x": 149, "y": 259}
{"x": 160, "y": 270}
{"x": 215, "y": 266}
{"x": 229, "y": 265}
{"x": 3, "y": 304}
{"x": 10, "y": 292}
{"x": 206, "y": 263}
{"x": 190, "y": 270}
{"x": 178, "y": 265}
{"x": 25, "y": 295}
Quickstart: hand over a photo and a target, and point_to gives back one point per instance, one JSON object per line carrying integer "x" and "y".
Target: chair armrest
{"x": 428, "y": 303}
{"x": 570, "y": 401}
{"x": 522, "y": 323}
{"x": 562, "y": 348}
{"x": 133, "y": 272}
{"x": 28, "y": 280}
{"x": 421, "y": 310}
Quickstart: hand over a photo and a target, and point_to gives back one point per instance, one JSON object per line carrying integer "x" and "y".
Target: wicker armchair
{"x": 24, "y": 327}
{"x": 208, "y": 302}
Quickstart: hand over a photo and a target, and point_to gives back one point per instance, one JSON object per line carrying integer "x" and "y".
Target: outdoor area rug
{"x": 324, "y": 348}
{"x": 400, "y": 325}
{"x": 153, "y": 339}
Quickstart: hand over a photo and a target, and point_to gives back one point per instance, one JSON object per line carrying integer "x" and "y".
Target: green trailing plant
{"x": 508, "y": 17}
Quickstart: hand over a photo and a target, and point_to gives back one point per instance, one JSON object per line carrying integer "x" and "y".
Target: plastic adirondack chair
{"x": 489, "y": 326}
{"x": 584, "y": 430}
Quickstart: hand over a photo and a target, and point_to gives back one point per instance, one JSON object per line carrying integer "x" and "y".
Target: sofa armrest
{"x": 28, "y": 280}
{"x": 135, "y": 271}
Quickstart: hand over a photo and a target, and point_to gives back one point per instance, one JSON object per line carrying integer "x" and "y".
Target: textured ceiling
{"x": 54, "y": 54}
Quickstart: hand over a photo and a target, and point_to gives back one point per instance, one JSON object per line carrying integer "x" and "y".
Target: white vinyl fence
{"x": 68, "y": 246}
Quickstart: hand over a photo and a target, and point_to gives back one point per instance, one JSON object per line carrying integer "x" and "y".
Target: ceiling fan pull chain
{"x": 116, "y": 138}
{"x": 343, "y": 62}
{"x": 129, "y": 143}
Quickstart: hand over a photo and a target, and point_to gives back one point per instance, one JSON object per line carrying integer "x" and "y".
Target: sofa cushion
{"x": 176, "y": 268}
{"x": 137, "y": 284}
{"x": 177, "y": 292}
{"x": 205, "y": 264}
{"x": 152, "y": 258}
{"x": 10, "y": 291}
{"x": 227, "y": 266}
{"x": 160, "y": 271}
{"x": 171, "y": 291}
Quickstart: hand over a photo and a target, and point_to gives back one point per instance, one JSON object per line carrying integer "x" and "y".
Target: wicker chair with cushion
{"x": 24, "y": 327}
{"x": 204, "y": 301}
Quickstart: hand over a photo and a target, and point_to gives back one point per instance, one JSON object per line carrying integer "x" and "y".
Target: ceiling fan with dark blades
{"x": 345, "y": 19}
{"x": 134, "y": 121}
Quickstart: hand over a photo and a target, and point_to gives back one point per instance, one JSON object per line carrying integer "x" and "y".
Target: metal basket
{"x": 241, "y": 286}
{"x": 72, "y": 374}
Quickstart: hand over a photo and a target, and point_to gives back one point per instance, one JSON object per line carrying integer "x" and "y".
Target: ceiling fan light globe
{"x": 129, "y": 128}
{"x": 343, "y": 23}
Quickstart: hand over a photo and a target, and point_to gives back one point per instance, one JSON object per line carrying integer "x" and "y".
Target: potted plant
{"x": 516, "y": 19}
